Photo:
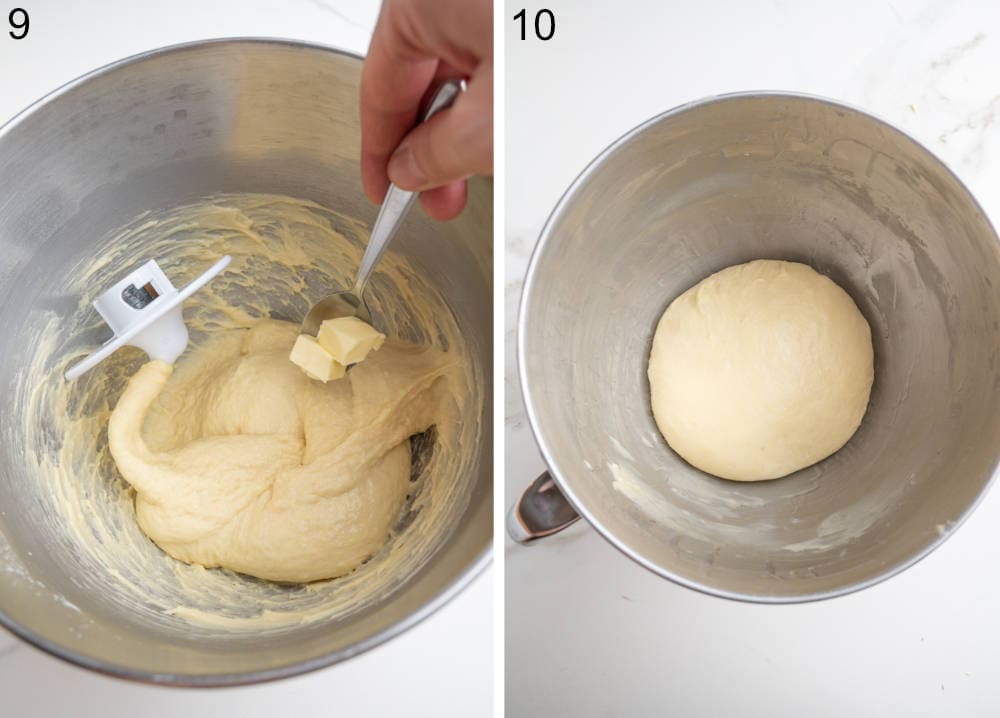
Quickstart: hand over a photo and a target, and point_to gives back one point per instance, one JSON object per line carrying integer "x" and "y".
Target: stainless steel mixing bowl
{"x": 724, "y": 181}
{"x": 153, "y": 132}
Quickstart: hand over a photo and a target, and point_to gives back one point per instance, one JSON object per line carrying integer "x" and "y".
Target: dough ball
{"x": 760, "y": 370}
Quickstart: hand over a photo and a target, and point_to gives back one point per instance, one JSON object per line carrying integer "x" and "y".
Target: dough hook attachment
{"x": 144, "y": 310}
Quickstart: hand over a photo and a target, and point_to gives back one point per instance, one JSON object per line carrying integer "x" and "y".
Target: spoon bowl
{"x": 339, "y": 304}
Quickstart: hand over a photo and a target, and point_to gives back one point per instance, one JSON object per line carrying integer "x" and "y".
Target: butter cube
{"x": 314, "y": 360}
{"x": 348, "y": 339}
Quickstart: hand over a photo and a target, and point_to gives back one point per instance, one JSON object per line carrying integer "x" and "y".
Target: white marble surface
{"x": 589, "y": 633}
{"x": 444, "y": 666}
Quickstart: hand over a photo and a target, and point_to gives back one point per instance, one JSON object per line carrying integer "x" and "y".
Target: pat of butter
{"x": 314, "y": 360}
{"x": 348, "y": 339}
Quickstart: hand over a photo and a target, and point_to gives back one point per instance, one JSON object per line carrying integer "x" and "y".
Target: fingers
{"x": 445, "y": 202}
{"x": 453, "y": 144}
{"x": 416, "y": 42}
{"x": 391, "y": 88}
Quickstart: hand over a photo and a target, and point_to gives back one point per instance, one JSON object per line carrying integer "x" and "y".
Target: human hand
{"x": 416, "y": 43}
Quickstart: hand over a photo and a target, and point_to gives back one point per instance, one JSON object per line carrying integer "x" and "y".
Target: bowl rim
{"x": 190, "y": 680}
{"x": 551, "y": 461}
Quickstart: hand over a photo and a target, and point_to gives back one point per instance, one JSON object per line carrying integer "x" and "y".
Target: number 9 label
{"x": 18, "y": 21}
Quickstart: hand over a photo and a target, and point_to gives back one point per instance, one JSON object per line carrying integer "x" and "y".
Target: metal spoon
{"x": 397, "y": 203}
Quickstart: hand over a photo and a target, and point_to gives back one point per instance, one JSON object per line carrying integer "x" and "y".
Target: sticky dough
{"x": 287, "y": 253}
{"x": 760, "y": 370}
{"x": 239, "y": 460}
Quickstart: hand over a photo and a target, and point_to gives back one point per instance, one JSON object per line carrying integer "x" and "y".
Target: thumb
{"x": 450, "y": 146}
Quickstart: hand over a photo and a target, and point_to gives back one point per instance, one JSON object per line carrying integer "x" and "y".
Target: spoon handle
{"x": 397, "y": 202}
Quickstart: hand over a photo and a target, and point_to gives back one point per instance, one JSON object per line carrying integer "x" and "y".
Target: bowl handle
{"x": 541, "y": 511}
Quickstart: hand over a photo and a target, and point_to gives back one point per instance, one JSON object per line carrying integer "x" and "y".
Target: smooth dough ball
{"x": 760, "y": 370}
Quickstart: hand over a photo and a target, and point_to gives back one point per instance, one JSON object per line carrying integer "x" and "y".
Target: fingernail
{"x": 404, "y": 171}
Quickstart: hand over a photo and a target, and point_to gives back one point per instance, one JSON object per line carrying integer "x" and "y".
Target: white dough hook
{"x": 144, "y": 310}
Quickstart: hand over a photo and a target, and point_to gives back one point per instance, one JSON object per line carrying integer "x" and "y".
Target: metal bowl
{"x": 780, "y": 176}
{"x": 151, "y": 133}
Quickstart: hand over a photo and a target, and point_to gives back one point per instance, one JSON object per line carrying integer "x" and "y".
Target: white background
{"x": 589, "y": 633}
{"x": 444, "y": 666}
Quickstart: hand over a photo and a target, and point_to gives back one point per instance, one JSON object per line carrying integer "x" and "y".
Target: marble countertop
{"x": 589, "y": 633}
{"x": 406, "y": 676}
